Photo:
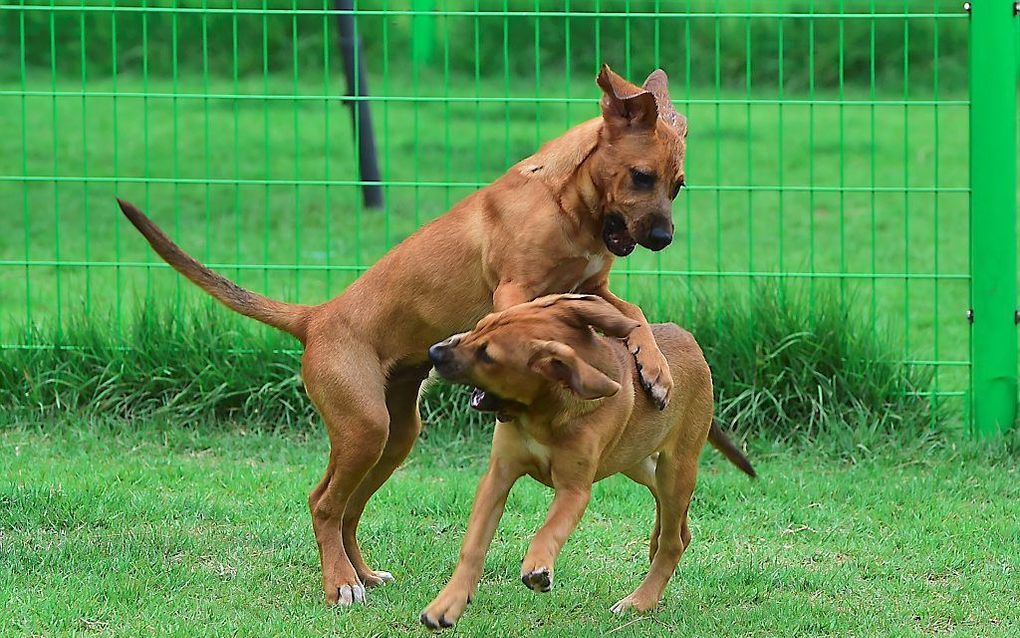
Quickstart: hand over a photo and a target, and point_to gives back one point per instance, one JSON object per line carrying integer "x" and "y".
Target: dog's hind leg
{"x": 644, "y": 474}
{"x": 405, "y": 426}
{"x": 350, "y": 396}
{"x": 675, "y": 475}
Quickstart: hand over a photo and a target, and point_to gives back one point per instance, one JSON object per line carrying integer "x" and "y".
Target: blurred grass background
{"x": 819, "y": 56}
{"x": 826, "y": 159}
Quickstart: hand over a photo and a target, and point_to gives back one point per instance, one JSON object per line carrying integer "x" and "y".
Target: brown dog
{"x": 575, "y": 417}
{"x": 553, "y": 223}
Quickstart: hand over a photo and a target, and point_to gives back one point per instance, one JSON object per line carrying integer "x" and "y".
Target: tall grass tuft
{"x": 789, "y": 367}
{"x": 203, "y": 363}
{"x": 783, "y": 368}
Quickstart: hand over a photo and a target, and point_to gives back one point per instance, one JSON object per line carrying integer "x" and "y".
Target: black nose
{"x": 439, "y": 354}
{"x": 659, "y": 238}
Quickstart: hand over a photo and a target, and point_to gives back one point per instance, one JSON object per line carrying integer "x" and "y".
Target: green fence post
{"x": 993, "y": 215}
{"x": 423, "y": 27}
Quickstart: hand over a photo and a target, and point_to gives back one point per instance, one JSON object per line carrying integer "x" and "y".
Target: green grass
{"x": 299, "y": 237}
{"x": 111, "y": 528}
{"x": 780, "y": 372}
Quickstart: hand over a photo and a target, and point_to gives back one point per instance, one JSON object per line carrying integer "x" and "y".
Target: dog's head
{"x": 516, "y": 355}
{"x": 639, "y": 164}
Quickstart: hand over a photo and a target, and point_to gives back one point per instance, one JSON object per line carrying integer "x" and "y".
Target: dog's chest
{"x": 593, "y": 266}
{"x": 538, "y": 454}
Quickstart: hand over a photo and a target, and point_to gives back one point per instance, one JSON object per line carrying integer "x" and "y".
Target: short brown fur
{"x": 539, "y": 229}
{"x": 573, "y": 415}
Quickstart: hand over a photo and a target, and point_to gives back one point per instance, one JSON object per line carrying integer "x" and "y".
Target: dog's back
{"x": 692, "y": 408}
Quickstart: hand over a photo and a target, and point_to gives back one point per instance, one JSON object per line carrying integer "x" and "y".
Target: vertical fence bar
{"x": 25, "y": 215}
{"x": 174, "y": 76}
{"x": 906, "y": 183}
{"x": 265, "y": 149}
{"x": 116, "y": 170}
{"x": 56, "y": 169}
{"x": 993, "y": 214}
{"x": 690, "y": 161}
{"x": 327, "y": 136}
{"x": 936, "y": 353}
{"x": 235, "y": 87}
{"x": 85, "y": 160}
{"x": 146, "y": 172}
{"x": 296, "y": 136}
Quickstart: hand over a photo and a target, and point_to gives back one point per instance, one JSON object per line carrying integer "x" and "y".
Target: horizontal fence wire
{"x": 824, "y": 152}
{"x": 486, "y": 13}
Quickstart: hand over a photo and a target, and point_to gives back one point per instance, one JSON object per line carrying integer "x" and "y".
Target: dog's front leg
{"x": 573, "y": 492}
{"x": 510, "y": 293}
{"x": 655, "y": 375}
{"x": 485, "y": 514}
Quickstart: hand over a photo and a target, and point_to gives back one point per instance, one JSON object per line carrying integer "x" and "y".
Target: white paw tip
{"x": 621, "y": 606}
{"x": 350, "y": 594}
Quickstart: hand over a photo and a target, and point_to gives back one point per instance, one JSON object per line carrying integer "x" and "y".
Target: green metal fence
{"x": 828, "y": 152}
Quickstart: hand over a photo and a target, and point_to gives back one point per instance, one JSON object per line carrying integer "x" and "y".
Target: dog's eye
{"x": 483, "y": 354}
{"x": 641, "y": 179}
{"x": 676, "y": 188}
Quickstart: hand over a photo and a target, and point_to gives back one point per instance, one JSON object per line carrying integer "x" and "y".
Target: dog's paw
{"x": 635, "y": 602}
{"x": 347, "y": 595}
{"x": 376, "y": 579}
{"x": 539, "y": 579}
{"x": 653, "y": 370}
{"x": 445, "y": 610}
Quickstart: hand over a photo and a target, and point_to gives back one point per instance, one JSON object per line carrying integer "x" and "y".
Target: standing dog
{"x": 572, "y": 415}
{"x": 553, "y": 223}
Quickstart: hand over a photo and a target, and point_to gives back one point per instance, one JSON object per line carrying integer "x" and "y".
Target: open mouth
{"x": 505, "y": 409}
{"x": 616, "y": 237}
{"x": 485, "y": 402}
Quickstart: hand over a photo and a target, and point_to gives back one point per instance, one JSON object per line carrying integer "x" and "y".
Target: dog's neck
{"x": 581, "y": 198}
{"x": 564, "y": 165}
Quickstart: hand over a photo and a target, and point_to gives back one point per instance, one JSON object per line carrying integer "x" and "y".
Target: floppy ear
{"x": 625, "y": 106}
{"x": 594, "y": 311}
{"x": 657, "y": 84}
{"x": 560, "y": 363}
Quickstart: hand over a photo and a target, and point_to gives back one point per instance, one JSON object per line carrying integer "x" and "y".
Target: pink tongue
{"x": 477, "y": 397}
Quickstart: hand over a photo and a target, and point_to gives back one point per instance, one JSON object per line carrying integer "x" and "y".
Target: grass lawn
{"x": 109, "y": 528}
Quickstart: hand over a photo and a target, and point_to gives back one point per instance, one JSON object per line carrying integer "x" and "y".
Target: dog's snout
{"x": 439, "y": 353}
{"x": 659, "y": 237}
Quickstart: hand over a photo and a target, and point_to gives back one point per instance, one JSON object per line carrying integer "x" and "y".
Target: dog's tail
{"x": 290, "y": 318}
{"x": 729, "y": 449}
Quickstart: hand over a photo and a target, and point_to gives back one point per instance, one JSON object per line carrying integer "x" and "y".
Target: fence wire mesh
{"x": 826, "y": 150}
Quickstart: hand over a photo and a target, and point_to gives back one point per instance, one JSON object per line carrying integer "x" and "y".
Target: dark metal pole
{"x": 361, "y": 114}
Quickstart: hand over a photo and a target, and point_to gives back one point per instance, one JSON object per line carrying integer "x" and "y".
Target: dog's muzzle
{"x": 439, "y": 354}
{"x": 658, "y": 236}
{"x": 444, "y": 360}
{"x": 658, "y": 239}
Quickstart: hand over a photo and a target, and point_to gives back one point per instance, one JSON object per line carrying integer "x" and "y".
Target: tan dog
{"x": 576, "y": 417}
{"x": 553, "y": 223}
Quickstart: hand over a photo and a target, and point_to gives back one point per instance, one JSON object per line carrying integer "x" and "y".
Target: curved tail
{"x": 290, "y": 318}
{"x": 729, "y": 449}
